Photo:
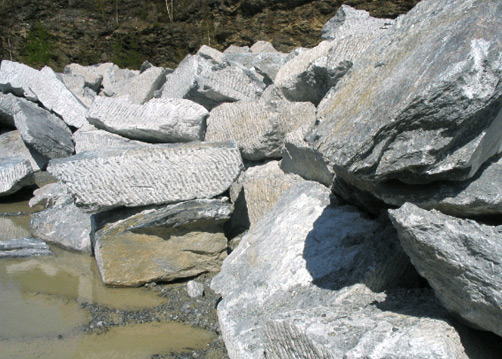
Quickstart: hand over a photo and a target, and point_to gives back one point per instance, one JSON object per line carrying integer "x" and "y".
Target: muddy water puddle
{"x": 44, "y": 305}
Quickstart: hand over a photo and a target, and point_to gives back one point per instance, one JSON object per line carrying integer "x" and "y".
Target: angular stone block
{"x": 92, "y": 139}
{"x": 12, "y": 145}
{"x": 91, "y": 74}
{"x": 17, "y": 78}
{"x": 15, "y": 173}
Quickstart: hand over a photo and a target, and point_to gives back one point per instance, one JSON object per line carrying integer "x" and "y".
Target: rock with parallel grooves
{"x": 266, "y": 64}
{"x": 43, "y": 131}
{"x": 259, "y": 128}
{"x": 210, "y": 54}
{"x": 8, "y": 108}
{"x": 89, "y": 138}
{"x": 15, "y": 173}
{"x": 420, "y": 104}
{"x": 12, "y": 145}
{"x": 24, "y": 247}
{"x": 17, "y": 78}
{"x": 162, "y": 243}
{"x": 140, "y": 88}
{"x": 91, "y": 74}
{"x": 156, "y": 174}
{"x": 76, "y": 84}
{"x": 196, "y": 79}
{"x": 459, "y": 258}
{"x": 158, "y": 120}
{"x": 55, "y": 97}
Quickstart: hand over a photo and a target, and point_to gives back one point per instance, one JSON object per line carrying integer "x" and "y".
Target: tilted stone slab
{"x": 113, "y": 75}
{"x": 210, "y": 54}
{"x": 90, "y": 138}
{"x": 8, "y": 107}
{"x": 266, "y": 64}
{"x": 300, "y": 158}
{"x": 91, "y": 74}
{"x": 158, "y": 120}
{"x": 24, "y": 247}
{"x": 43, "y": 131}
{"x": 196, "y": 79}
{"x": 17, "y": 78}
{"x": 426, "y": 104}
{"x": 12, "y": 145}
{"x": 76, "y": 84}
{"x": 459, "y": 258}
{"x": 140, "y": 88}
{"x": 15, "y": 173}
{"x": 156, "y": 174}
{"x": 259, "y": 128}
{"x": 162, "y": 243}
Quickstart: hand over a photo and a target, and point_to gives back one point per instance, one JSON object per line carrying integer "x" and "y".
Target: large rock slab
{"x": 91, "y": 75}
{"x": 90, "y": 138}
{"x": 310, "y": 277}
{"x": 43, "y": 131}
{"x": 15, "y": 173}
{"x": 428, "y": 98}
{"x": 300, "y": 158}
{"x": 156, "y": 174}
{"x": 162, "y": 243}
{"x": 12, "y": 145}
{"x": 159, "y": 120}
{"x": 8, "y": 107}
{"x": 24, "y": 247}
{"x": 258, "y": 127}
{"x": 459, "y": 258}
{"x": 256, "y": 191}
{"x": 76, "y": 85}
{"x": 140, "y": 88}
{"x": 196, "y": 79}
{"x": 16, "y": 78}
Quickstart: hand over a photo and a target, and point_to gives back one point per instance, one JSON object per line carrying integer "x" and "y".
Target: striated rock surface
{"x": 459, "y": 258}
{"x": 24, "y": 247}
{"x": 159, "y": 120}
{"x": 300, "y": 158}
{"x": 140, "y": 88}
{"x": 429, "y": 98}
{"x": 305, "y": 282}
{"x": 256, "y": 191}
{"x": 15, "y": 173}
{"x": 12, "y": 145}
{"x": 155, "y": 174}
{"x": 17, "y": 78}
{"x": 43, "y": 131}
{"x": 92, "y": 139}
{"x": 91, "y": 75}
{"x": 259, "y": 128}
{"x": 8, "y": 108}
{"x": 266, "y": 64}
{"x": 195, "y": 79}
{"x": 162, "y": 243}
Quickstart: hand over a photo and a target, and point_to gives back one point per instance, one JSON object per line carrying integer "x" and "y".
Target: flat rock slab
{"x": 15, "y": 173}
{"x": 43, "y": 131}
{"x": 17, "y": 78}
{"x": 24, "y": 247}
{"x": 422, "y": 102}
{"x": 259, "y": 128}
{"x": 459, "y": 258}
{"x": 12, "y": 145}
{"x": 92, "y": 139}
{"x": 162, "y": 243}
{"x": 156, "y": 174}
{"x": 158, "y": 120}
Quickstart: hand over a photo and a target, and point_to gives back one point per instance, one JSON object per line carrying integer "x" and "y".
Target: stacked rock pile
{"x": 342, "y": 175}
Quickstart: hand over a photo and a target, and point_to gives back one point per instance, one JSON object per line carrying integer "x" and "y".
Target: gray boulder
{"x": 196, "y": 79}
{"x": 138, "y": 176}
{"x": 8, "y": 107}
{"x": 12, "y": 145}
{"x": 266, "y": 64}
{"x": 24, "y": 247}
{"x": 234, "y": 49}
{"x": 262, "y": 46}
{"x": 91, "y": 75}
{"x": 50, "y": 195}
{"x": 15, "y": 173}
{"x": 158, "y": 120}
{"x": 308, "y": 279}
{"x": 428, "y": 98}
{"x": 43, "y": 131}
{"x": 195, "y": 289}
{"x": 258, "y": 127}
{"x": 161, "y": 243}
{"x": 76, "y": 84}
{"x": 17, "y": 78}
{"x": 113, "y": 75}
{"x": 459, "y": 258}
{"x": 300, "y": 158}
{"x": 210, "y": 54}
{"x": 140, "y": 88}
{"x": 89, "y": 138}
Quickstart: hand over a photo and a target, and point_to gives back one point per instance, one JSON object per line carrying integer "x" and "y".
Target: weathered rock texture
{"x": 24, "y": 247}
{"x": 300, "y": 158}
{"x": 162, "y": 243}
{"x": 297, "y": 286}
{"x": 155, "y": 174}
{"x": 17, "y": 78}
{"x": 159, "y": 120}
{"x": 15, "y": 173}
{"x": 459, "y": 258}
{"x": 91, "y": 75}
{"x": 428, "y": 98}
{"x": 76, "y": 85}
{"x": 92, "y": 139}
{"x": 259, "y": 128}
{"x": 8, "y": 108}
{"x": 49, "y": 195}
{"x": 196, "y": 79}
{"x": 266, "y": 64}
{"x": 12, "y": 145}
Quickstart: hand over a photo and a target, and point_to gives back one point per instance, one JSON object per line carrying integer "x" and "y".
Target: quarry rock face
{"x": 140, "y": 176}
{"x": 159, "y": 120}
{"x": 92, "y": 139}
{"x": 15, "y": 173}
